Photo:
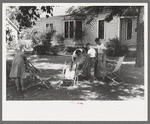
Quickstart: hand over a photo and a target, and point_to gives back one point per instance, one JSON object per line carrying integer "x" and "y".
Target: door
{"x": 128, "y": 34}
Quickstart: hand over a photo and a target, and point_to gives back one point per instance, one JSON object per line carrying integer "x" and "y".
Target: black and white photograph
{"x": 77, "y": 54}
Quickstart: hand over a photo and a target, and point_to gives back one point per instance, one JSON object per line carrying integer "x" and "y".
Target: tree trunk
{"x": 140, "y": 39}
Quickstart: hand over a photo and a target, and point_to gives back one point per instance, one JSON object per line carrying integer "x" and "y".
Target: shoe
{"x": 24, "y": 89}
{"x": 91, "y": 80}
{"x": 18, "y": 89}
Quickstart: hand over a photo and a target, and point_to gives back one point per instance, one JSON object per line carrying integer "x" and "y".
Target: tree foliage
{"x": 25, "y": 16}
{"x": 91, "y": 12}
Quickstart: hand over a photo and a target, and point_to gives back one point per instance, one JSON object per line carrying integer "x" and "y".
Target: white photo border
{"x": 65, "y": 110}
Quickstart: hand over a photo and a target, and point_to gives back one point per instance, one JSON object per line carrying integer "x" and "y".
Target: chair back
{"x": 118, "y": 65}
{"x": 83, "y": 53}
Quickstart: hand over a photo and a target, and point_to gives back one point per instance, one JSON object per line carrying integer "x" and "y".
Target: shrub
{"x": 60, "y": 39}
{"x": 41, "y": 49}
{"x": 115, "y": 48}
{"x": 54, "y": 49}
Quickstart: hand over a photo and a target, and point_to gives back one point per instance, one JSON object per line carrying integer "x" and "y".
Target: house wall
{"x": 111, "y": 30}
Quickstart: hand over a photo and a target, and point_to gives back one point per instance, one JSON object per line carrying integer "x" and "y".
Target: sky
{"x": 61, "y": 10}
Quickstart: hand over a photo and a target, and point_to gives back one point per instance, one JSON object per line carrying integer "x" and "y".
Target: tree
{"x": 140, "y": 38}
{"x": 90, "y": 12}
{"x": 25, "y": 16}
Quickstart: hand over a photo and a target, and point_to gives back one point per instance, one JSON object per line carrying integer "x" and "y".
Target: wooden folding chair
{"x": 37, "y": 75}
{"x": 112, "y": 66}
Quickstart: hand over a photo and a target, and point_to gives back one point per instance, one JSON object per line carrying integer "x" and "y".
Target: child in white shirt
{"x": 91, "y": 53}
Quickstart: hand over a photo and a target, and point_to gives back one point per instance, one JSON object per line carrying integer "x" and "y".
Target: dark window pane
{"x": 51, "y": 25}
{"x": 78, "y": 32}
{"x": 101, "y": 29}
{"x": 71, "y": 29}
{"x": 47, "y": 25}
{"x": 66, "y": 29}
{"x": 129, "y": 28}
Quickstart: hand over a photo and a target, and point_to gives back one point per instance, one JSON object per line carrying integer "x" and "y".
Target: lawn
{"x": 50, "y": 65}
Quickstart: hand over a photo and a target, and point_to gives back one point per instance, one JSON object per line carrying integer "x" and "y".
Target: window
{"x": 70, "y": 26}
{"x": 129, "y": 28}
{"x": 101, "y": 29}
{"x": 78, "y": 29}
{"x": 71, "y": 29}
{"x": 49, "y": 25}
{"x": 66, "y": 30}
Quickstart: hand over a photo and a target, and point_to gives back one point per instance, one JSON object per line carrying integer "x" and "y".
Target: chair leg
{"x": 119, "y": 78}
{"x": 77, "y": 80}
{"x": 113, "y": 79}
{"x": 103, "y": 78}
{"x": 44, "y": 82}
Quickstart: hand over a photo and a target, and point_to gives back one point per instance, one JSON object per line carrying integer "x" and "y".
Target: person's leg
{"x": 89, "y": 70}
{"x": 100, "y": 65}
{"x": 17, "y": 84}
{"x": 92, "y": 68}
{"x": 22, "y": 77}
{"x": 22, "y": 84}
{"x": 96, "y": 68}
{"x": 104, "y": 60}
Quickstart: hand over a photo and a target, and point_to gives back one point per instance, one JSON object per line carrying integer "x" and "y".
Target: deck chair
{"x": 38, "y": 76}
{"x": 69, "y": 74}
{"x": 112, "y": 66}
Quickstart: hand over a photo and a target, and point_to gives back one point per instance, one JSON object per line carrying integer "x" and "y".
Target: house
{"x": 13, "y": 28}
{"x": 123, "y": 28}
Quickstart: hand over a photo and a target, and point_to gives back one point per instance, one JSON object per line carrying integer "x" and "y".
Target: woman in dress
{"x": 18, "y": 68}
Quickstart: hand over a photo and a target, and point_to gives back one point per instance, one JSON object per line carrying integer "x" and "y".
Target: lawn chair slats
{"x": 37, "y": 74}
{"x": 112, "y": 66}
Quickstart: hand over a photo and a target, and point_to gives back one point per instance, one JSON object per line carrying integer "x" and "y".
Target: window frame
{"x": 74, "y": 26}
{"x": 49, "y": 25}
{"x": 104, "y": 28}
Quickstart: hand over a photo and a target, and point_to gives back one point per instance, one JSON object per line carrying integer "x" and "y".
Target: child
{"x": 70, "y": 70}
{"x": 91, "y": 53}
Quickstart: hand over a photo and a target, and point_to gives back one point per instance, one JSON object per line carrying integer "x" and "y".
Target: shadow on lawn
{"x": 132, "y": 88}
{"x": 83, "y": 91}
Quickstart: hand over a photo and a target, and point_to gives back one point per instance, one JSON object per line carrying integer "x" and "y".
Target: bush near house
{"x": 60, "y": 40}
{"x": 41, "y": 39}
{"x": 115, "y": 48}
